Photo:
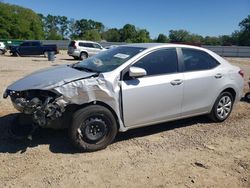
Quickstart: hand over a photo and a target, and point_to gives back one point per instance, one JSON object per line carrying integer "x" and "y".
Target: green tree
{"x": 93, "y": 35}
{"x": 178, "y": 35}
{"x": 111, "y": 35}
{"x": 51, "y": 27}
{"x": 142, "y": 36}
{"x": 128, "y": 33}
{"x": 194, "y": 39}
{"x": 19, "y": 23}
{"x": 244, "y": 34}
{"x": 72, "y": 29}
{"x": 211, "y": 40}
{"x": 226, "y": 40}
{"x": 162, "y": 38}
{"x": 85, "y": 28}
{"x": 63, "y": 26}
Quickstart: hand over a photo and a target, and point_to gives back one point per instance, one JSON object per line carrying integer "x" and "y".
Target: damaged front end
{"x": 51, "y": 96}
{"x": 44, "y": 106}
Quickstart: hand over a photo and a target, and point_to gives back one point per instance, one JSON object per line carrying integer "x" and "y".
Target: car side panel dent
{"x": 93, "y": 89}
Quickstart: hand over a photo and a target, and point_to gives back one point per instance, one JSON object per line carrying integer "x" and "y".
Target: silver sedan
{"x": 128, "y": 87}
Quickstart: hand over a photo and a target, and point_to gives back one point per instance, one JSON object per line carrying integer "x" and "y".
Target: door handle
{"x": 176, "y": 82}
{"x": 219, "y": 75}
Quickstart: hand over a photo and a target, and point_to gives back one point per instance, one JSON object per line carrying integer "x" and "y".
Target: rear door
{"x": 202, "y": 80}
{"x": 156, "y": 97}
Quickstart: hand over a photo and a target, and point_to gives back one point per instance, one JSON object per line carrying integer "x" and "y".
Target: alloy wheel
{"x": 224, "y": 107}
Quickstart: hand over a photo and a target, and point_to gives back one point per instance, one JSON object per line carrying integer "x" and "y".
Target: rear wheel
{"x": 83, "y": 55}
{"x": 15, "y": 54}
{"x": 93, "y": 128}
{"x": 222, "y": 107}
{"x": 1, "y": 52}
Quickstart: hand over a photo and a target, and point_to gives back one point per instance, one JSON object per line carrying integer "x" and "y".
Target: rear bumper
{"x": 74, "y": 53}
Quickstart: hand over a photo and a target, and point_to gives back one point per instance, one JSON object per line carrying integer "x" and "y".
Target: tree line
{"x": 21, "y": 23}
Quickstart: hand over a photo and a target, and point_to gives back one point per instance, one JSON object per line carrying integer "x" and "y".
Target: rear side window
{"x": 195, "y": 60}
{"x": 82, "y": 44}
{"x": 162, "y": 61}
{"x": 88, "y": 45}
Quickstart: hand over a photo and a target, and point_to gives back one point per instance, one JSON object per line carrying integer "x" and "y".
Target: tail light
{"x": 241, "y": 72}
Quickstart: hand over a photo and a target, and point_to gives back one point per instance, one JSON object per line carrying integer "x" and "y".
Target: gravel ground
{"x": 189, "y": 153}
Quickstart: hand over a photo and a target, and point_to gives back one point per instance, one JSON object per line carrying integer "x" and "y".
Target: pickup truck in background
{"x": 32, "y": 48}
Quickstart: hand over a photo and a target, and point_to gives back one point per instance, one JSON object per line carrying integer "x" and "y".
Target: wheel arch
{"x": 83, "y": 51}
{"x": 225, "y": 89}
{"x": 230, "y": 90}
{"x": 74, "y": 107}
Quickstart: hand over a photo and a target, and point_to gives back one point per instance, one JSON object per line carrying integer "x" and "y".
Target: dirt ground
{"x": 189, "y": 153}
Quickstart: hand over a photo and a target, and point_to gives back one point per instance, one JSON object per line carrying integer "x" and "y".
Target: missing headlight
{"x": 42, "y": 105}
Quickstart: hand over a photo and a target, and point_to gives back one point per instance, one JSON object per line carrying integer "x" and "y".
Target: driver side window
{"x": 159, "y": 62}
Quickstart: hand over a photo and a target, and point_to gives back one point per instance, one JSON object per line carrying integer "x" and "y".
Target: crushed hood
{"x": 49, "y": 78}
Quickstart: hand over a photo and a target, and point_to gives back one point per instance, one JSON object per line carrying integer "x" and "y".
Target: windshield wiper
{"x": 84, "y": 69}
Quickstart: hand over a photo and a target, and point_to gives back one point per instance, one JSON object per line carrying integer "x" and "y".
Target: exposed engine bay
{"x": 42, "y": 105}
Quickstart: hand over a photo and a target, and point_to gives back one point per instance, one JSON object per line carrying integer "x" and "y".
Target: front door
{"x": 156, "y": 97}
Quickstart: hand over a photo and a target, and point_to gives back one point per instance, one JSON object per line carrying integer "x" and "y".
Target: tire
{"x": 1, "y": 52}
{"x": 83, "y": 55}
{"x": 247, "y": 97}
{"x": 93, "y": 128}
{"x": 15, "y": 54}
{"x": 222, "y": 107}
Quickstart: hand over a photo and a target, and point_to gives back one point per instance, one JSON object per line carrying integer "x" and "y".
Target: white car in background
{"x": 80, "y": 49}
{"x": 2, "y": 48}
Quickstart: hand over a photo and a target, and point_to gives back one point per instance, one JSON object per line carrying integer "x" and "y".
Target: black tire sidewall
{"x": 83, "y": 54}
{"x": 214, "y": 111}
{"x": 80, "y": 116}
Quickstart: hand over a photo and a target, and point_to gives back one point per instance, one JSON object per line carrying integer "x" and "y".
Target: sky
{"x": 204, "y": 17}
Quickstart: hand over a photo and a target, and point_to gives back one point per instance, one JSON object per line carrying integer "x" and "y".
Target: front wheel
{"x": 222, "y": 107}
{"x": 93, "y": 128}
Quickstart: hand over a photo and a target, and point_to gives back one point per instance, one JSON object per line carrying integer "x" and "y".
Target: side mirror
{"x": 137, "y": 72}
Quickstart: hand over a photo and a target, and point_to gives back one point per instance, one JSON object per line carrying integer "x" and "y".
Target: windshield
{"x": 108, "y": 60}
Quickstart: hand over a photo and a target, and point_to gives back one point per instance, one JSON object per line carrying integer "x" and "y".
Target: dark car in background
{"x": 32, "y": 48}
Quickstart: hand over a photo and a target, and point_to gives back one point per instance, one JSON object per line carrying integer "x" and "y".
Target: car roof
{"x": 84, "y": 41}
{"x": 156, "y": 45}
{"x": 152, "y": 46}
